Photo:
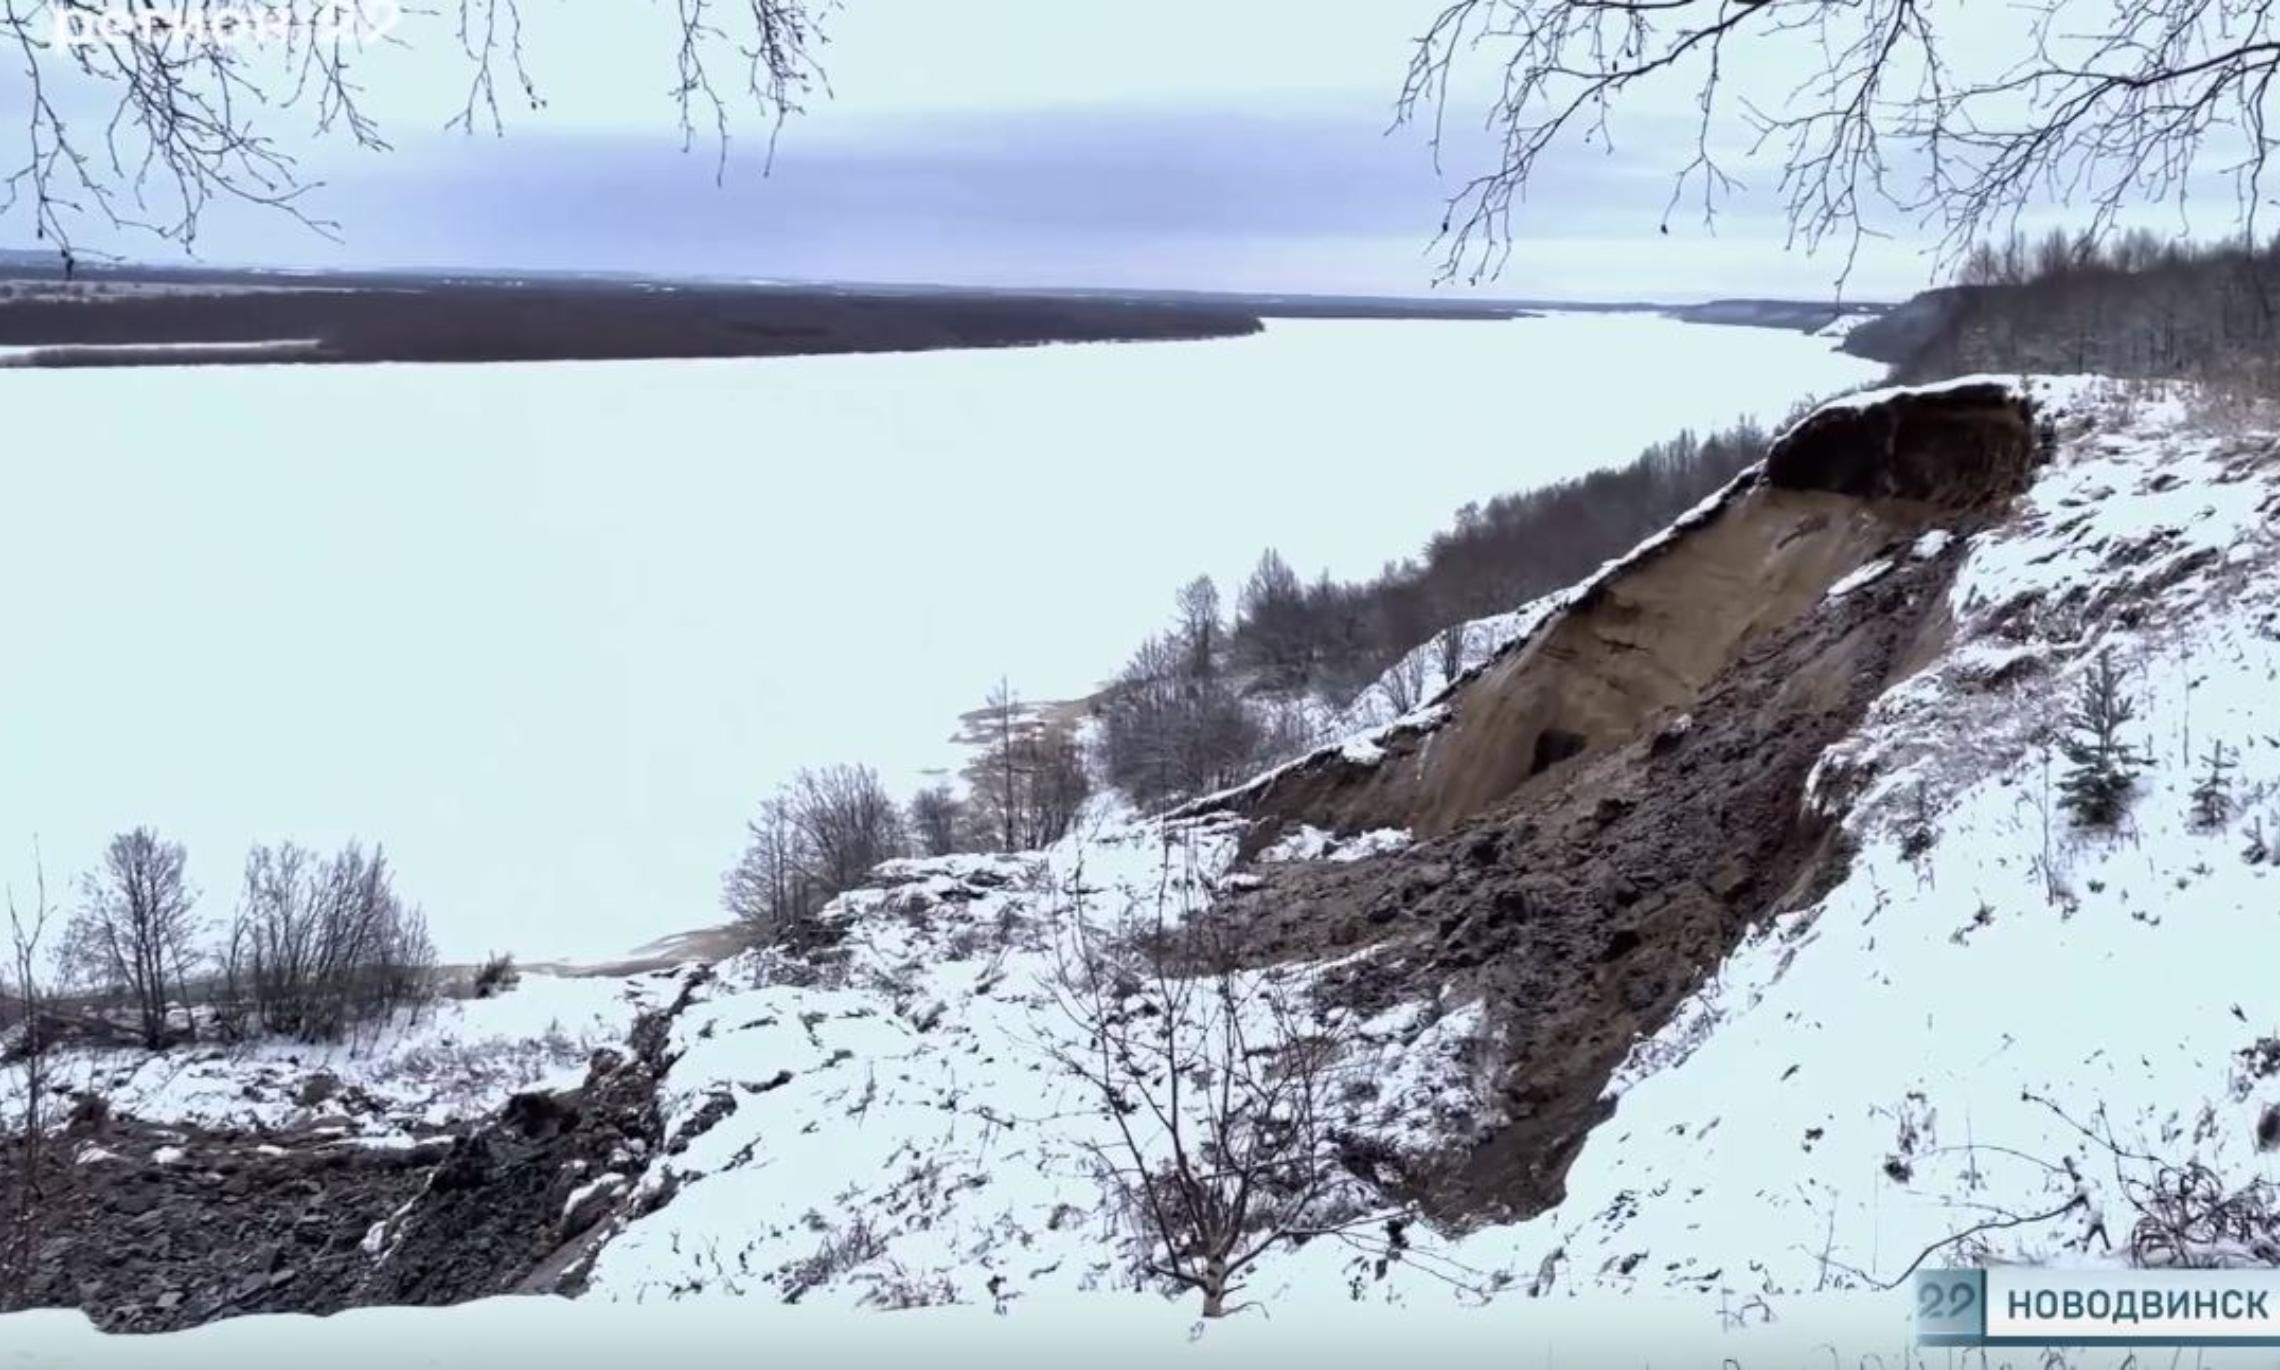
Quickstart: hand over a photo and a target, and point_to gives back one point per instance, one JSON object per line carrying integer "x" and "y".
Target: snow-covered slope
{"x": 1863, "y": 1080}
{"x": 1995, "y": 1012}
{"x": 1991, "y": 1039}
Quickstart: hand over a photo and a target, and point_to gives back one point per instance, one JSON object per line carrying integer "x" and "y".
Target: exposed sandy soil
{"x": 1617, "y": 800}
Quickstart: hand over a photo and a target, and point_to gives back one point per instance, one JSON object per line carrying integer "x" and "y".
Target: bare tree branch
{"x": 2102, "y": 104}
{"x": 140, "y": 115}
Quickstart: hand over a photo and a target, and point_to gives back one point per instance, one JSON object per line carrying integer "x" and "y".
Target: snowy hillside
{"x": 1995, "y": 1013}
{"x": 1995, "y": 1037}
{"x": 1865, "y": 1079}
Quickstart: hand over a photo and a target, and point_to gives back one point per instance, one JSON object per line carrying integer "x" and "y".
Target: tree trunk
{"x": 1215, "y": 1287}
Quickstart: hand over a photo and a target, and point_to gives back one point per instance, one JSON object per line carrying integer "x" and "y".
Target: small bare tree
{"x": 1222, "y": 1085}
{"x": 24, "y": 1007}
{"x": 1450, "y": 646}
{"x": 134, "y": 933}
{"x": 1199, "y": 625}
{"x": 1403, "y": 684}
{"x": 1028, "y": 779}
{"x": 1001, "y": 776}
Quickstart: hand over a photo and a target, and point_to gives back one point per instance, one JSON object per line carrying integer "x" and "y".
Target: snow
{"x": 1990, "y": 1014}
{"x": 607, "y": 1184}
{"x": 1863, "y": 576}
{"x": 459, "y": 1060}
{"x": 1419, "y": 676}
{"x": 1841, "y": 327}
{"x": 555, "y": 628}
{"x": 1861, "y": 1081}
{"x": 903, "y": 1131}
{"x": 1310, "y": 843}
{"x": 1919, "y": 1017}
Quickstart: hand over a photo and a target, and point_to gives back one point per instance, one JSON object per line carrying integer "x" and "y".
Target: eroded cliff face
{"x": 1606, "y": 808}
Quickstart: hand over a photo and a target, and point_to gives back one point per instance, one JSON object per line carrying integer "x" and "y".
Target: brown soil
{"x": 170, "y": 1227}
{"x": 1614, "y": 803}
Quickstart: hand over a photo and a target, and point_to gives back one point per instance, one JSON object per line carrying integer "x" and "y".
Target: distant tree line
{"x": 2135, "y": 304}
{"x": 1217, "y": 694}
{"x": 1174, "y": 722}
{"x": 1334, "y": 638}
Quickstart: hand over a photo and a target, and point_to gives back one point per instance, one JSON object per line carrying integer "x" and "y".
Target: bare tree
{"x": 134, "y": 932}
{"x": 771, "y": 889}
{"x": 1028, "y": 779}
{"x": 1059, "y": 784}
{"x": 323, "y": 946}
{"x": 1403, "y": 684}
{"x": 139, "y": 116}
{"x": 1221, "y": 1085}
{"x": 1199, "y": 624}
{"x": 1868, "y": 103}
{"x": 818, "y": 835}
{"x": 1272, "y": 613}
{"x": 1451, "y": 646}
{"x": 1168, "y": 735}
{"x": 937, "y": 821}
{"x": 25, "y": 1052}
{"x": 847, "y": 822}
{"x": 1000, "y": 777}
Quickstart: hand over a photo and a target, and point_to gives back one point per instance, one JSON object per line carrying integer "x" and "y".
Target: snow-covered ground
{"x": 1841, "y": 327}
{"x": 550, "y": 631}
{"x": 1988, "y": 1019}
{"x": 455, "y": 1061}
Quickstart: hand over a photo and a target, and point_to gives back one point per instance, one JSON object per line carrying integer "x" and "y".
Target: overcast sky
{"x": 1182, "y": 143}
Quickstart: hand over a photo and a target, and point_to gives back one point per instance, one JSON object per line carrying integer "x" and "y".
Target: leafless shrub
{"x": 323, "y": 946}
{"x": 843, "y": 1248}
{"x": 1223, "y": 1086}
{"x": 1167, "y": 734}
{"x": 1403, "y": 684}
{"x": 496, "y": 975}
{"x": 900, "y": 1287}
